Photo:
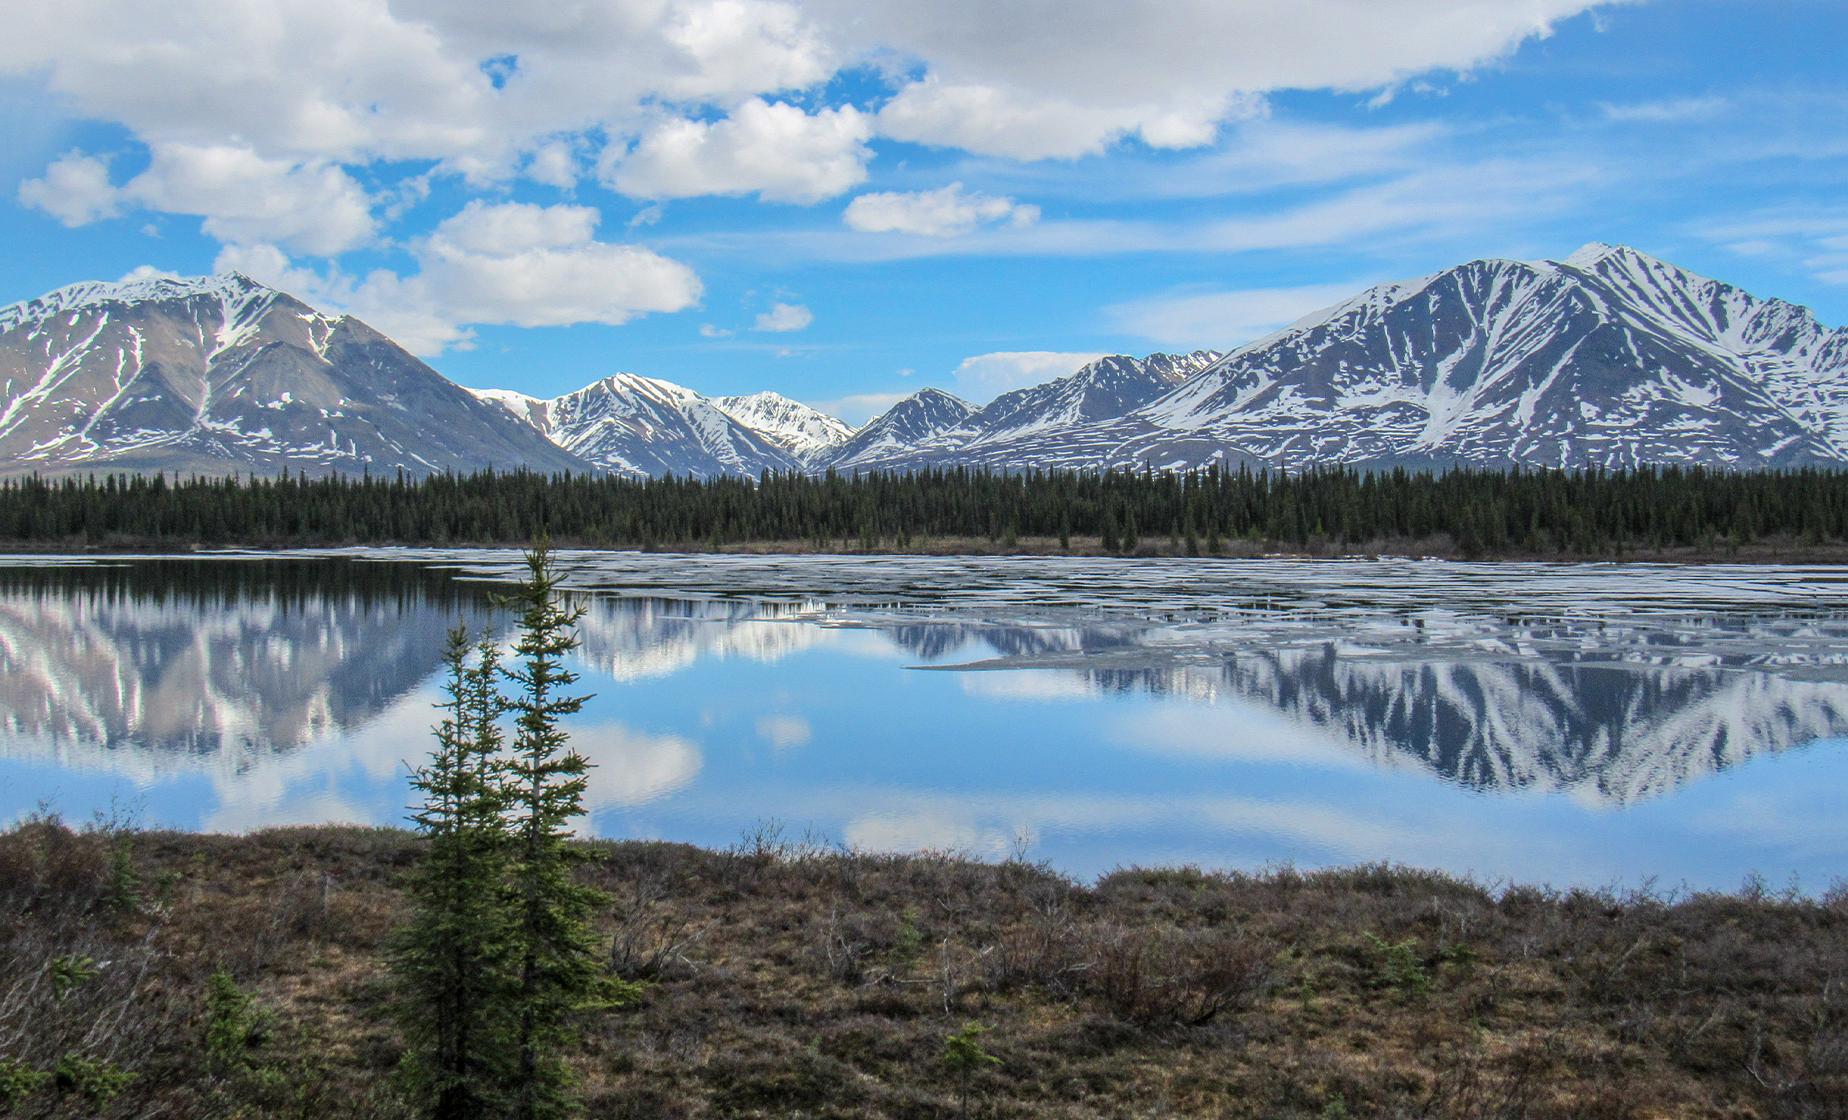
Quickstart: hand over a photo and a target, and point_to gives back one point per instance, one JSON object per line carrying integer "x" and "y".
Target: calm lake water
{"x": 1570, "y": 724}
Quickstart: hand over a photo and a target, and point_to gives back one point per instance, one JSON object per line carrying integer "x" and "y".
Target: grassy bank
{"x": 785, "y": 980}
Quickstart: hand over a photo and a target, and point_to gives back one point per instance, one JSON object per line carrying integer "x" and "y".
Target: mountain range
{"x": 1607, "y": 358}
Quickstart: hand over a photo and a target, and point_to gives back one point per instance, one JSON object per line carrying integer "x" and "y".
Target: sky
{"x": 846, "y": 201}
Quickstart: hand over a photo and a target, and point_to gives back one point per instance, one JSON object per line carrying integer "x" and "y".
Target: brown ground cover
{"x": 788, "y": 979}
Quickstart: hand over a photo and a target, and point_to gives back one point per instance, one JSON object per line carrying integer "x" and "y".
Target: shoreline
{"x": 1776, "y": 552}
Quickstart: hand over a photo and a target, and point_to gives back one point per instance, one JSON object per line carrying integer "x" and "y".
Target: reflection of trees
{"x": 932, "y": 640}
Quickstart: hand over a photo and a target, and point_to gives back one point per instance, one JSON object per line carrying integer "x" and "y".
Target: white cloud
{"x": 1812, "y": 239}
{"x": 490, "y": 91}
{"x": 243, "y": 197}
{"x": 1447, "y": 202}
{"x": 75, "y": 189}
{"x": 944, "y": 212}
{"x": 1010, "y": 80}
{"x": 272, "y": 266}
{"x": 708, "y": 330}
{"x": 630, "y": 767}
{"x": 927, "y": 830}
{"x": 1222, "y": 319}
{"x": 784, "y": 731}
{"x": 1674, "y": 110}
{"x": 373, "y": 81}
{"x": 554, "y": 164}
{"x": 774, "y": 150}
{"x": 783, "y": 318}
{"x": 506, "y": 263}
{"x": 993, "y": 120}
{"x": 509, "y": 228}
{"x": 985, "y": 376}
{"x": 315, "y": 207}
{"x": 146, "y": 272}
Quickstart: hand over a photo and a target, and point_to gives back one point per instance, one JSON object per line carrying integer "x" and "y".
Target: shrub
{"x": 95, "y": 1080}
{"x": 18, "y": 1081}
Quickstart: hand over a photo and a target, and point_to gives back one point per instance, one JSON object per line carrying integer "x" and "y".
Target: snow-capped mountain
{"x": 221, "y": 374}
{"x": 634, "y": 425}
{"x": 901, "y": 431}
{"x": 1045, "y": 425}
{"x": 798, "y": 429}
{"x": 1608, "y": 358}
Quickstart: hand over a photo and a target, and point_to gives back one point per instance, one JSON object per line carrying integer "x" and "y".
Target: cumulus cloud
{"x": 370, "y": 81}
{"x": 985, "y": 376}
{"x": 1005, "y": 80}
{"x": 685, "y": 98}
{"x": 242, "y": 196}
{"x": 774, "y": 150}
{"x": 783, "y": 318}
{"x": 944, "y": 212}
{"x": 1003, "y": 121}
{"x": 75, "y": 189}
{"x": 245, "y": 197}
{"x": 554, "y": 164}
{"x": 1222, "y": 319}
{"x": 510, "y": 263}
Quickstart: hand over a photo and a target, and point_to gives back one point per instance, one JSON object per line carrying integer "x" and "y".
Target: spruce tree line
{"x": 500, "y": 957}
{"x": 1593, "y": 512}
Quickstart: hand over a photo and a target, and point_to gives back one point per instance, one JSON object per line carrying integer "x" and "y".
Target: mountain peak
{"x": 1593, "y": 253}
{"x": 135, "y": 288}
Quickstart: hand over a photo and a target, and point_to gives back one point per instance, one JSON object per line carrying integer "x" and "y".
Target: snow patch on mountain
{"x": 642, "y": 426}
{"x": 797, "y": 428}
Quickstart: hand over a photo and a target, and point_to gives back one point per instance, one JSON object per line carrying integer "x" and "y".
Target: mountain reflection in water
{"x": 248, "y": 671}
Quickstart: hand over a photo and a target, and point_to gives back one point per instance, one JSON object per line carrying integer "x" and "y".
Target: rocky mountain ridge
{"x": 1608, "y": 358}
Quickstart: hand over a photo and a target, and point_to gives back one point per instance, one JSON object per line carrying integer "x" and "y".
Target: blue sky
{"x": 847, "y": 201}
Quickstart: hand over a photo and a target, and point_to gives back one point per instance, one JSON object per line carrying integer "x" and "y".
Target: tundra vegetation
{"x": 490, "y": 964}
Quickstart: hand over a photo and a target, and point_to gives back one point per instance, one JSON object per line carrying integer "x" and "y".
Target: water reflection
{"x": 298, "y": 689}
{"x": 162, "y": 662}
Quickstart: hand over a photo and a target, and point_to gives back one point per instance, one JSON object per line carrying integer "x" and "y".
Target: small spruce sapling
{"x": 964, "y": 1057}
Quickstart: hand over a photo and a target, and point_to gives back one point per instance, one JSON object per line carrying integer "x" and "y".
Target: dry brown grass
{"x": 791, "y": 980}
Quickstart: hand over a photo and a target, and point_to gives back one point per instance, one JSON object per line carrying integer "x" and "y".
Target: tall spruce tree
{"x": 450, "y": 962}
{"x": 558, "y": 970}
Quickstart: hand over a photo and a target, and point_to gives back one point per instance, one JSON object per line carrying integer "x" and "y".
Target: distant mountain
{"x": 1608, "y": 358}
{"x": 1043, "y": 425}
{"x": 898, "y": 434}
{"x": 219, "y": 375}
{"x": 634, "y": 425}
{"x": 795, "y": 427}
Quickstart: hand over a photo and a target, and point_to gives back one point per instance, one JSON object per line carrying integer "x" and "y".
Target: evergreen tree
{"x": 557, "y": 971}
{"x": 450, "y": 961}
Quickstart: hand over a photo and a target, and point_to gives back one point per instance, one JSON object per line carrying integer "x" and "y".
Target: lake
{"x": 1599, "y": 725}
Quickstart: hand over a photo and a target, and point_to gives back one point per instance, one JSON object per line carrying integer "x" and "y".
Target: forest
{"x": 1541, "y": 513}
